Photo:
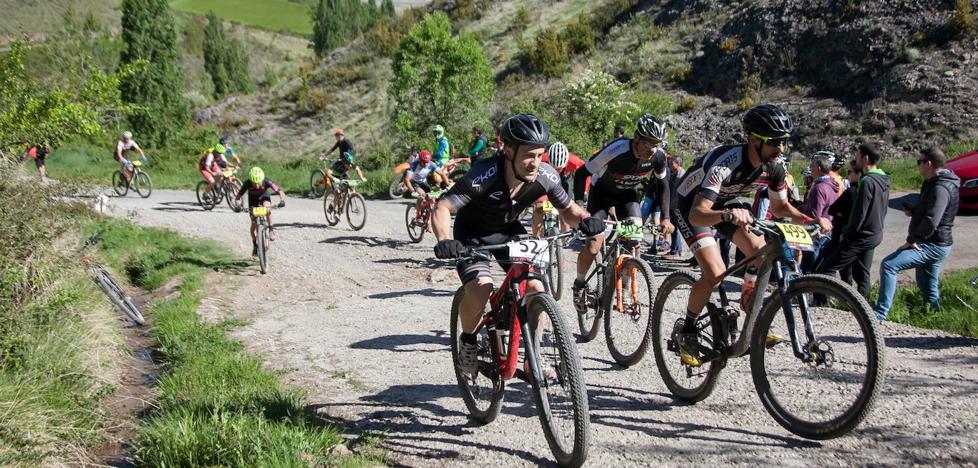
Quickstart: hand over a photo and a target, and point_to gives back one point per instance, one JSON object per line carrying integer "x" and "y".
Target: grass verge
{"x": 959, "y": 305}
{"x": 217, "y": 405}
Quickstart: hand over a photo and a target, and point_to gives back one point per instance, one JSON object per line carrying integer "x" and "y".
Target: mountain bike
{"x": 821, "y": 382}
{"x": 396, "y": 188}
{"x": 227, "y": 189}
{"x": 343, "y": 197}
{"x": 620, "y": 289}
{"x": 137, "y": 180}
{"x": 262, "y": 239}
{"x": 555, "y": 372}
{"x": 551, "y": 227}
{"x": 116, "y": 295}
{"x": 417, "y": 221}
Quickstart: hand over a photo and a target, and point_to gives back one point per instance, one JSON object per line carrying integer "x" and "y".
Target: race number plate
{"x": 630, "y": 231}
{"x": 136, "y": 163}
{"x": 548, "y": 207}
{"x": 796, "y": 236}
{"x": 228, "y": 173}
{"x": 529, "y": 251}
{"x": 259, "y": 211}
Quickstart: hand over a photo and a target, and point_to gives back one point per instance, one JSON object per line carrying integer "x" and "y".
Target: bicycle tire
{"x": 396, "y": 188}
{"x": 317, "y": 183}
{"x": 119, "y": 184}
{"x": 415, "y": 232}
{"x": 231, "y": 188}
{"x": 204, "y": 197}
{"x": 352, "y": 200}
{"x": 626, "y": 357}
{"x": 572, "y": 380}
{"x": 262, "y": 246}
{"x": 487, "y": 412}
{"x": 589, "y": 323}
{"x": 329, "y": 208}
{"x": 118, "y": 296}
{"x": 555, "y": 274}
{"x": 711, "y": 373}
{"x": 865, "y": 399}
{"x": 142, "y": 183}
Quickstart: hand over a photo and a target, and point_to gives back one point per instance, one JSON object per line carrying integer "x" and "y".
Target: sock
{"x": 468, "y": 338}
{"x": 689, "y": 325}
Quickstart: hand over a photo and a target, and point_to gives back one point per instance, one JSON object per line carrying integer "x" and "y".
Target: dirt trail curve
{"x": 360, "y": 320}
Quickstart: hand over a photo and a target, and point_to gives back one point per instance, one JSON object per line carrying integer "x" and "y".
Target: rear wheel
{"x": 231, "y": 188}
{"x": 331, "y": 207}
{"x": 205, "y": 197}
{"x": 589, "y": 322}
{"x": 627, "y": 331}
{"x": 356, "y": 211}
{"x": 119, "y": 184}
{"x": 142, "y": 183}
{"x": 317, "y": 183}
{"x": 396, "y": 188}
{"x": 482, "y": 393}
{"x": 558, "y": 383}
{"x": 415, "y": 226}
{"x": 830, "y": 395}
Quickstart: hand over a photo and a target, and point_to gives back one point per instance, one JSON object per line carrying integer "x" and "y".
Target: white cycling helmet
{"x": 558, "y": 155}
{"x": 126, "y": 135}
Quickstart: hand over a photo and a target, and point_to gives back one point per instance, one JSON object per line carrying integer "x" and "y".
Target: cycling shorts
{"x": 469, "y": 270}
{"x": 209, "y": 173}
{"x": 626, "y": 204}
{"x": 259, "y": 200}
{"x": 39, "y": 162}
{"x": 698, "y": 237}
{"x": 422, "y": 184}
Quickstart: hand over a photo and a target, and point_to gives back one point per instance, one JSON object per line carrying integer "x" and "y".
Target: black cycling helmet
{"x": 768, "y": 120}
{"x": 650, "y": 126}
{"x": 525, "y": 129}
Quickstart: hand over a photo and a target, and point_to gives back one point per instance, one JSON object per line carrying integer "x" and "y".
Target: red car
{"x": 966, "y": 167}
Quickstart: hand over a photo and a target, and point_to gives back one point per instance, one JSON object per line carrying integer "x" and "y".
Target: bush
{"x": 730, "y": 44}
{"x": 547, "y": 55}
{"x": 686, "y": 103}
{"x": 963, "y": 20}
{"x": 383, "y": 39}
{"x": 578, "y": 35}
{"x": 345, "y": 74}
{"x": 651, "y": 103}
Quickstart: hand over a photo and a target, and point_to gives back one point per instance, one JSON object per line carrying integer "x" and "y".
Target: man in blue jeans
{"x": 929, "y": 239}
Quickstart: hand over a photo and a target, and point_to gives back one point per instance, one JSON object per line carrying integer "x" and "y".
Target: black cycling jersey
{"x": 726, "y": 173}
{"x": 344, "y": 146}
{"x": 482, "y": 201}
{"x": 616, "y": 169}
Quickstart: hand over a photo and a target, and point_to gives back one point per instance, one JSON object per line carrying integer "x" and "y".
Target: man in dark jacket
{"x": 479, "y": 144}
{"x": 864, "y": 230}
{"x": 929, "y": 237}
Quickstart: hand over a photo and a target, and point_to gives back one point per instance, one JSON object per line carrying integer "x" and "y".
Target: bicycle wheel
{"x": 142, "y": 183}
{"x": 589, "y": 322}
{"x": 415, "y": 227}
{"x": 561, "y": 400}
{"x": 396, "y": 188}
{"x": 317, "y": 183}
{"x": 262, "y": 248}
{"x": 119, "y": 184}
{"x": 830, "y": 396}
{"x": 231, "y": 188}
{"x": 689, "y": 384}
{"x": 330, "y": 207}
{"x": 555, "y": 275}
{"x": 627, "y": 331}
{"x": 205, "y": 197}
{"x": 356, "y": 211}
{"x": 118, "y": 296}
{"x": 482, "y": 393}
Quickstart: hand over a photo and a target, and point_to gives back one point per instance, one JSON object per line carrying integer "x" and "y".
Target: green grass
{"x": 274, "y": 15}
{"x": 959, "y": 305}
{"x": 39, "y": 16}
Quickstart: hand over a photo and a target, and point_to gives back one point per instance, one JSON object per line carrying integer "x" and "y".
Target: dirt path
{"x": 360, "y": 320}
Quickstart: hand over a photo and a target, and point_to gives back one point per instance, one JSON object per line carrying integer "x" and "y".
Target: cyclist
{"x": 209, "y": 167}
{"x": 257, "y": 187}
{"x": 723, "y": 174}
{"x": 615, "y": 173}
{"x": 228, "y": 151}
{"x": 480, "y": 145}
{"x": 342, "y": 144}
{"x": 566, "y": 163}
{"x": 441, "y": 154}
{"x": 121, "y": 154}
{"x": 487, "y": 203}
{"x": 341, "y": 168}
{"x": 416, "y": 177}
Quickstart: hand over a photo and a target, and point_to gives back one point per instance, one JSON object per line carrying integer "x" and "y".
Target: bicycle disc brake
{"x": 821, "y": 354}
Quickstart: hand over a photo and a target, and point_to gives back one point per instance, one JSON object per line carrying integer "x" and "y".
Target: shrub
{"x": 730, "y": 44}
{"x": 345, "y": 74}
{"x": 547, "y": 55}
{"x": 963, "y": 19}
{"x": 651, "y": 103}
{"x": 746, "y": 102}
{"x": 383, "y": 39}
{"x": 316, "y": 100}
{"x": 686, "y": 103}
{"x": 578, "y": 35}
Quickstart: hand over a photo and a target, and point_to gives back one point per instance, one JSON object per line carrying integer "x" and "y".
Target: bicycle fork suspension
{"x": 800, "y": 351}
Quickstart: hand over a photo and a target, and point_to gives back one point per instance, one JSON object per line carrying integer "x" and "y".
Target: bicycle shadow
{"x": 298, "y": 225}
{"x": 369, "y": 241}
{"x": 427, "y": 292}
{"x": 406, "y": 343}
{"x": 179, "y": 206}
{"x": 421, "y": 263}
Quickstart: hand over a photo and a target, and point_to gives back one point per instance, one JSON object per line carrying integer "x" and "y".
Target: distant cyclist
{"x": 441, "y": 154}
{"x": 209, "y": 168}
{"x": 121, "y": 154}
{"x": 566, "y": 163}
{"x": 228, "y": 151}
{"x": 257, "y": 187}
{"x": 416, "y": 177}
{"x": 342, "y": 144}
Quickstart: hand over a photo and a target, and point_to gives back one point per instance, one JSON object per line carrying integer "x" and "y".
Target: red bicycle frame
{"x": 508, "y": 365}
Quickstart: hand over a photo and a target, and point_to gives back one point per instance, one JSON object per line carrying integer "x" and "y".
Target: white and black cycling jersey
{"x": 481, "y": 199}
{"x": 725, "y": 173}
{"x": 615, "y": 168}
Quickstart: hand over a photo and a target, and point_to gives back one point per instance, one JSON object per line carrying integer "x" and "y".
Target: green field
{"x": 274, "y": 15}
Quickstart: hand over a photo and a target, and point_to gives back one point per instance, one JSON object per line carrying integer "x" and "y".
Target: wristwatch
{"x": 727, "y": 215}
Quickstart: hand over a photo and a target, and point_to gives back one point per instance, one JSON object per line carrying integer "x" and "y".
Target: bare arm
{"x": 573, "y": 214}
{"x": 441, "y": 220}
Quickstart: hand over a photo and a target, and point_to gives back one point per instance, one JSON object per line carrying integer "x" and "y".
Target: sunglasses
{"x": 771, "y": 141}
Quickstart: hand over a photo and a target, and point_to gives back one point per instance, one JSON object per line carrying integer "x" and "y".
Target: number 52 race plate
{"x": 529, "y": 251}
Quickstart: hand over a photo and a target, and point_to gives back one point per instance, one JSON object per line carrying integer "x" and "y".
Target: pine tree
{"x": 387, "y": 9}
{"x": 216, "y": 55}
{"x": 322, "y": 29}
{"x": 150, "y": 37}
{"x": 236, "y": 67}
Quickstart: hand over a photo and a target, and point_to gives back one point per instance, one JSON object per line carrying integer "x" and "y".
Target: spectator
{"x": 619, "y": 132}
{"x": 840, "y": 211}
{"x": 479, "y": 145}
{"x": 929, "y": 236}
{"x": 818, "y": 198}
{"x": 864, "y": 229}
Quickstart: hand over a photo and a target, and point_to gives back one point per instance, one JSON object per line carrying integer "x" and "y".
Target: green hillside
{"x": 273, "y": 15}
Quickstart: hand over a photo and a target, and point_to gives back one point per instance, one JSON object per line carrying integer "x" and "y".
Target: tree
{"x": 322, "y": 28}
{"x": 215, "y": 55}
{"x": 439, "y": 79}
{"x": 387, "y": 9}
{"x": 236, "y": 66}
{"x": 149, "y": 34}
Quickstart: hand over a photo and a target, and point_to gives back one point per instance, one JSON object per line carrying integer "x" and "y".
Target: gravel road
{"x": 360, "y": 320}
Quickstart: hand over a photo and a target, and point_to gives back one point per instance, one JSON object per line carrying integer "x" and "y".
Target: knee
{"x": 479, "y": 288}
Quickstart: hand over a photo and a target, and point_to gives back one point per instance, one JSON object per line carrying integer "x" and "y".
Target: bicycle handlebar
{"x": 482, "y": 251}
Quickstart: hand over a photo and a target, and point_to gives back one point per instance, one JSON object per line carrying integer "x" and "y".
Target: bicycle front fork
{"x": 783, "y": 281}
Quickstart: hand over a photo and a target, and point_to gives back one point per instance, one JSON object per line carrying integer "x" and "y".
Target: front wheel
{"x": 558, "y": 382}
{"x": 483, "y": 392}
{"x": 396, "y": 188}
{"x": 415, "y": 225}
{"x": 205, "y": 197}
{"x": 356, "y": 211}
{"x": 687, "y": 383}
{"x": 119, "y": 184}
{"x": 331, "y": 206}
{"x": 830, "y": 392}
{"x": 555, "y": 274}
{"x": 628, "y": 328}
{"x": 262, "y": 248}
{"x": 589, "y": 320}
{"x": 142, "y": 183}
{"x": 317, "y": 183}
